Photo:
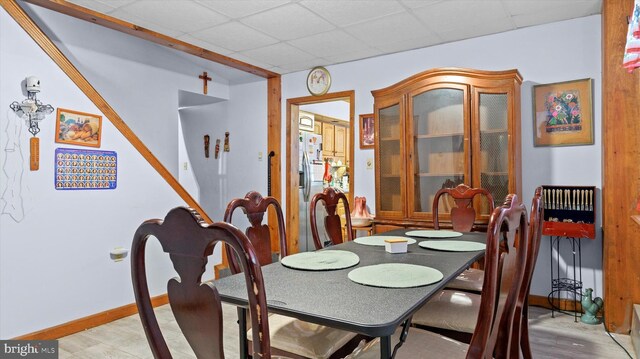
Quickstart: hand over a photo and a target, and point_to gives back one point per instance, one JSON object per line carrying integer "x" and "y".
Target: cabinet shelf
{"x": 496, "y": 131}
{"x": 440, "y": 135}
{"x": 389, "y": 175}
{"x": 495, "y": 173}
{"x": 427, "y": 174}
{"x": 390, "y": 138}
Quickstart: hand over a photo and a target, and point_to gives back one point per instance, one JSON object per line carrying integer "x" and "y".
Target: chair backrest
{"x": 504, "y": 258}
{"x": 330, "y": 197}
{"x": 196, "y": 305}
{"x": 464, "y": 214}
{"x": 520, "y": 332}
{"x": 255, "y": 206}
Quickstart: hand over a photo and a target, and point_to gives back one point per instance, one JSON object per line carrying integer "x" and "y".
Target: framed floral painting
{"x": 563, "y": 113}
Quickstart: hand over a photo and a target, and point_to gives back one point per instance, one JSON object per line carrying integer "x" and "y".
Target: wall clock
{"x": 318, "y": 81}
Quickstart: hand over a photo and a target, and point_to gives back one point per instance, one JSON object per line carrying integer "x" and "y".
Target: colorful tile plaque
{"x": 85, "y": 169}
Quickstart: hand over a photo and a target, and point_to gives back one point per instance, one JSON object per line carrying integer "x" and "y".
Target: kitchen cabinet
{"x": 440, "y": 128}
{"x": 328, "y": 134}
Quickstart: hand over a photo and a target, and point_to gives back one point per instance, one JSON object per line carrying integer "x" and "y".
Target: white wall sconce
{"x": 33, "y": 111}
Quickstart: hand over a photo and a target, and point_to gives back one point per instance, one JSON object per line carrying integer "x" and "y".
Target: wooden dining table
{"x": 330, "y": 298}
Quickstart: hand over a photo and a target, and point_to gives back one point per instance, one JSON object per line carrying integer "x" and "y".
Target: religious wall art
{"x": 318, "y": 81}
{"x": 78, "y": 128}
{"x": 366, "y": 131}
{"x": 563, "y": 113}
{"x": 207, "y": 141}
{"x": 85, "y": 169}
{"x": 226, "y": 142}
{"x": 217, "y": 148}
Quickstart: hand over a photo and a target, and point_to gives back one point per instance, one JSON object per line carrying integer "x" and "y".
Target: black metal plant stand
{"x": 570, "y": 285}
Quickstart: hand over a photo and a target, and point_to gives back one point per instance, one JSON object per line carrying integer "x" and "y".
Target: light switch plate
{"x": 369, "y": 163}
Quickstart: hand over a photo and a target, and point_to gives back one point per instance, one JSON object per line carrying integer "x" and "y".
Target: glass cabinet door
{"x": 390, "y": 160}
{"x": 438, "y": 147}
{"x": 494, "y": 147}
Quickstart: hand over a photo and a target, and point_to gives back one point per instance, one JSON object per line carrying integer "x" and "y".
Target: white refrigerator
{"x": 311, "y": 170}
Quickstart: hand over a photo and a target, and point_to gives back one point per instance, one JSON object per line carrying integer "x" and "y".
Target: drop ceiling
{"x": 292, "y": 35}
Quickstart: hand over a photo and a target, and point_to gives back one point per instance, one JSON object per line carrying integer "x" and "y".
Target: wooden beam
{"x": 110, "y": 22}
{"x": 274, "y": 133}
{"x": 90, "y": 321}
{"x": 620, "y": 169}
{"x": 18, "y": 14}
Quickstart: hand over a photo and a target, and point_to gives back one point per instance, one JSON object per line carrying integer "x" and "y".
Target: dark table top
{"x": 330, "y": 298}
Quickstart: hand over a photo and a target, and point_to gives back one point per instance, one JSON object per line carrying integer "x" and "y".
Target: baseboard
{"x": 91, "y": 321}
{"x": 563, "y": 303}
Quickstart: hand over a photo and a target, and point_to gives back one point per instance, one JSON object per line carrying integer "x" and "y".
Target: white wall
{"x": 54, "y": 251}
{"x": 539, "y": 60}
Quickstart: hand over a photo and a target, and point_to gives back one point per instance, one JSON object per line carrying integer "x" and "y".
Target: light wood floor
{"x": 555, "y": 338}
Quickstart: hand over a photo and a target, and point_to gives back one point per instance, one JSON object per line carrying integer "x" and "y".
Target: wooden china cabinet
{"x": 440, "y": 128}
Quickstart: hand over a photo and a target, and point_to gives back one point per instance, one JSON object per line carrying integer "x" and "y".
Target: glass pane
{"x": 494, "y": 159}
{"x": 438, "y": 128}
{"x": 390, "y": 158}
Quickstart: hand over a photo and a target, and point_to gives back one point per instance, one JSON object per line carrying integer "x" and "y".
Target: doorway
{"x": 293, "y": 149}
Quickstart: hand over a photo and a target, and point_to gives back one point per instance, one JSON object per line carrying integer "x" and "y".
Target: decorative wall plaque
{"x": 85, "y": 169}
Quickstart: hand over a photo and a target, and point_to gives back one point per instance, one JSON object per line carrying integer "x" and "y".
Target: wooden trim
{"x": 274, "y": 143}
{"x": 83, "y": 84}
{"x": 85, "y": 14}
{"x": 564, "y": 304}
{"x": 620, "y": 170}
{"x": 90, "y": 321}
{"x": 636, "y": 218}
{"x": 292, "y": 176}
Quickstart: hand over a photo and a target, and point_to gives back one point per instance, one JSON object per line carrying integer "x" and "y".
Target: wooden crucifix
{"x": 205, "y": 79}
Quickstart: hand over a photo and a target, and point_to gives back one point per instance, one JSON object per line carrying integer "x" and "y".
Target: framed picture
{"x": 563, "y": 113}
{"x": 366, "y": 131}
{"x": 78, "y": 128}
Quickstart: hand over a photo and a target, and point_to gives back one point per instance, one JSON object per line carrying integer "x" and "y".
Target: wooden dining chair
{"x": 503, "y": 277}
{"x": 289, "y": 336}
{"x": 463, "y": 218}
{"x": 521, "y": 332}
{"x": 333, "y": 227}
{"x": 195, "y": 304}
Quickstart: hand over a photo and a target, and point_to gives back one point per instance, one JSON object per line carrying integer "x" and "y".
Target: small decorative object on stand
{"x": 206, "y": 146}
{"x": 217, "y": 148}
{"x": 226, "y": 142}
{"x": 590, "y": 307}
{"x": 33, "y": 111}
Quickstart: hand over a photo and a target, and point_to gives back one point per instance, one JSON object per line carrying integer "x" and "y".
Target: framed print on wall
{"x": 563, "y": 113}
{"x": 366, "y": 131}
{"x": 78, "y": 128}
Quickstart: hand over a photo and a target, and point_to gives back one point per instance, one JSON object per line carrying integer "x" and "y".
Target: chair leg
{"x": 525, "y": 346}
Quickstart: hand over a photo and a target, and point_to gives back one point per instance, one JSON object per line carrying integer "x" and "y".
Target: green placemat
{"x": 395, "y": 275}
{"x": 434, "y": 234}
{"x": 453, "y": 246}
{"x": 321, "y": 260}
{"x": 379, "y": 240}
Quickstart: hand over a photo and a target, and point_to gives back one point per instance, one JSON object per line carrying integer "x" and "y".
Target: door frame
{"x": 292, "y": 147}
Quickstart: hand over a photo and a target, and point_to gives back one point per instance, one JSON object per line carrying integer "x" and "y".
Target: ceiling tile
{"x": 94, "y": 5}
{"x": 182, "y": 16}
{"x": 238, "y": 9}
{"x": 126, "y": 16}
{"x": 392, "y": 28}
{"x": 288, "y": 22}
{"x": 234, "y": 36}
{"x": 329, "y": 43}
{"x": 560, "y": 12}
{"x": 449, "y": 15}
{"x": 478, "y": 29}
{"x": 353, "y": 55}
{"x": 279, "y": 54}
{"x": 250, "y": 60}
{"x": 522, "y": 7}
{"x": 414, "y": 4}
{"x": 305, "y": 65}
{"x": 343, "y": 13}
{"x": 398, "y": 46}
{"x": 204, "y": 44}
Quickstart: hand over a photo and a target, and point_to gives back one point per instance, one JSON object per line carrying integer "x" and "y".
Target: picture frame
{"x": 563, "y": 113}
{"x": 78, "y": 128}
{"x": 318, "y": 81}
{"x": 367, "y": 131}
